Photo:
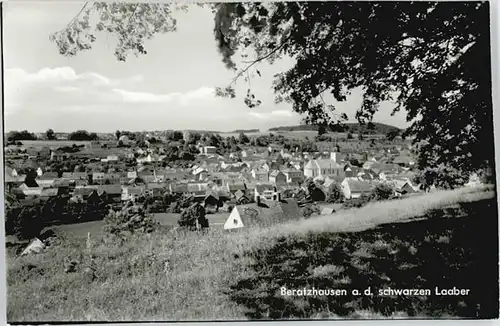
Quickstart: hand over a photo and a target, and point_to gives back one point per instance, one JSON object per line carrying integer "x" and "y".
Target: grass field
{"x": 53, "y": 143}
{"x": 80, "y": 230}
{"x": 238, "y": 275}
{"x": 287, "y": 134}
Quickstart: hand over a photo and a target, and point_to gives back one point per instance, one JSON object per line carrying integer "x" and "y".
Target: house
{"x": 408, "y": 188}
{"x": 112, "y": 158}
{"x": 31, "y": 191}
{"x": 404, "y": 160}
{"x": 293, "y": 175}
{"x": 241, "y": 197}
{"x": 160, "y": 175}
{"x": 113, "y": 178}
{"x": 145, "y": 159}
{"x": 260, "y": 175}
{"x": 61, "y": 183}
{"x": 197, "y": 189}
{"x": 132, "y": 174}
{"x": 351, "y": 171}
{"x": 58, "y": 156}
{"x": 277, "y": 178}
{"x": 98, "y": 178}
{"x": 386, "y": 168}
{"x": 354, "y": 188}
{"x": 49, "y": 192}
{"x": 14, "y": 181}
{"x": 146, "y": 176}
{"x": 257, "y": 215}
{"x": 200, "y": 173}
{"x": 132, "y": 193}
{"x": 74, "y": 176}
{"x": 327, "y": 211}
{"x": 46, "y": 180}
{"x": 265, "y": 192}
{"x": 211, "y": 201}
{"x": 334, "y": 179}
{"x": 111, "y": 193}
{"x": 323, "y": 167}
{"x": 10, "y": 171}
{"x": 44, "y": 152}
{"x": 235, "y": 187}
{"x": 83, "y": 192}
{"x": 208, "y": 150}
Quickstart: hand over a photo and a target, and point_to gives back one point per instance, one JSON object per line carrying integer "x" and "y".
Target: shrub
{"x": 357, "y": 202}
{"x": 25, "y": 222}
{"x": 182, "y": 203}
{"x": 308, "y": 210}
{"x": 382, "y": 191}
{"x": 131, "y": 219}
{"x": 193, "y": 217}
{"x": 335, "y": 194}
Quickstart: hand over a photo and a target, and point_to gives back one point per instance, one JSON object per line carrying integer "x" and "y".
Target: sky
{"x": 171, "y": 87}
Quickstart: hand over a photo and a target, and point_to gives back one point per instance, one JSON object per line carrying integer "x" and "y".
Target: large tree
{"x": 431, "y": 59}
{"x": 50, "y": 134}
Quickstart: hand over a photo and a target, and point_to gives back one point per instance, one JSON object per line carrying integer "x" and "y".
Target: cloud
{"x": 47, "y": 84}
{"x": 66, "y": 89}
{"x": 273, "y": 115}
{"x": 183, "y": 99}
{"x": 88, "y": 88}
{"x": 63, "y": 98}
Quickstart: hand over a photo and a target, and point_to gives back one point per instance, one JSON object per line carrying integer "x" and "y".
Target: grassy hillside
{"x": 169, "y": 275}
{"x": 375, "y": 128}
{"x": 245, "y": 131}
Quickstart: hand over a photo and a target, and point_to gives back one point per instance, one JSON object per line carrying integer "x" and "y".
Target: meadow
{"x": 287, "y": 134}
{"x": 39, "y": 144}
{"x": 416, "y": 242}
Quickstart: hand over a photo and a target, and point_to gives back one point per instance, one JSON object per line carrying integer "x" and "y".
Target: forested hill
{"x": 372, "y": 128}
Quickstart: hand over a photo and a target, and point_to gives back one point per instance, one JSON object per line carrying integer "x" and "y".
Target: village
{"x": 167, "y": 173}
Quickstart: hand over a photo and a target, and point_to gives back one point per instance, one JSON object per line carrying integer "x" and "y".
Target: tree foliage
{"x": 131, "y": 219}
{"x": 24, "y": 221}
{"x": 382, "y": 191}
{"x": 20, "y": 135}
{"x": 243, "y": 139}
{"x": 83, "y": 135}
{"x": 334, "y": 194}
{"x": 430, "y": 58}
{"x": 193, "y": 217}
{"x": 50, "y": 134}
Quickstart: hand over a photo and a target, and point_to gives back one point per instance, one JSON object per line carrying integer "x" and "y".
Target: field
{"x": 418, "y": 242}
{"x": 286, "y": 134}
{"x": 80, "y": 230}
{"x": 53, "y": 143}
{"x": 303, "y": 134}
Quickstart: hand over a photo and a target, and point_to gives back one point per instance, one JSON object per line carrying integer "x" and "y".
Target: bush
{"x": 193, "y": 217}
{"x": 182, "y": 203}
{"x": 382, "y": 191}
{"x": 335, "y": 194}
{"x": 308, "y": 210}
{"x": 131, "y": 219}
{"x": 357, "y": 202}
{"x": 25, "y": 222}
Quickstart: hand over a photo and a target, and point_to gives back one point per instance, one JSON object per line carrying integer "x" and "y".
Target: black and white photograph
{"x": 244, "y": 161}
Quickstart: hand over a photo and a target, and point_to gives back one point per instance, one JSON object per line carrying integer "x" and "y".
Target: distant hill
{"x": 203, "y": 131}
{"x": 237, "y": 131}
{"x": 373, "y": 128}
